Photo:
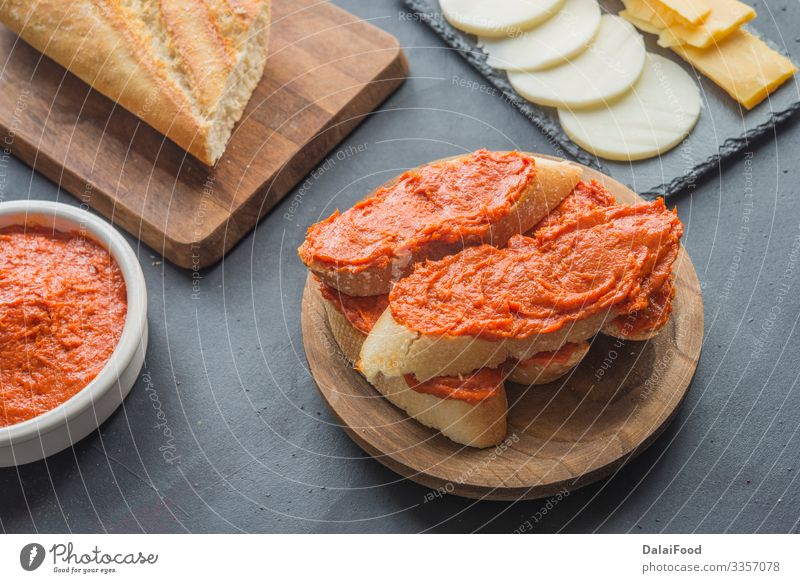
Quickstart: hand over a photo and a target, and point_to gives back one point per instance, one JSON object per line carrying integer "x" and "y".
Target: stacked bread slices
{"x": 452, "y": 378}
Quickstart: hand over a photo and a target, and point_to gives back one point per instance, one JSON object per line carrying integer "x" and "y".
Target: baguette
{"x": 185, "y": 67}
{"x": 397, "y": 247}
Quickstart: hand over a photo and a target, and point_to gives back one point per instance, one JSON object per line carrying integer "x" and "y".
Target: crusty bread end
{"x": 240, "y": 86}
{"x": 187, "y": 69}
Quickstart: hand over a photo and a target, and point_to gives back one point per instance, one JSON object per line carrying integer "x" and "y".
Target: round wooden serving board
{"x": 561, "y": 436}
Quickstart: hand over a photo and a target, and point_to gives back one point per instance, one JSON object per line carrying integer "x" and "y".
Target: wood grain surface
{"x": 562, "y": 436}
{"x": 326, "y": 71}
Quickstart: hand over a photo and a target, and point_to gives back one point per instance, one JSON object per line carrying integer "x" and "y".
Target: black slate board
{"x": 724, "y": 128}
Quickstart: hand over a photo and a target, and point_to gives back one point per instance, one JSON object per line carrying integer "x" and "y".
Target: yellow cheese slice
{"x": 657, "y": 13}
{"x": 743, "y": 65}
{"x": 725, "y": 18}
{"x": 688, "y": 11}
{"x": 642, "y": 25}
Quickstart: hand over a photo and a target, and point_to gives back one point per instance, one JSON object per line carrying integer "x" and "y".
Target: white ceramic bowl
{"x": 76, "y": 418}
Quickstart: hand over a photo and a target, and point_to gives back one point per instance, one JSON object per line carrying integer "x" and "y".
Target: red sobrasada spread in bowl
{"x": 63, "y": 304}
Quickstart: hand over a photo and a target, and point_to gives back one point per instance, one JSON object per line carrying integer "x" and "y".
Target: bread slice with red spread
{"x": 640, "y": 325}
{"x": 432, "y": 212}
{"x": 483, "y": 306}
{"x": 648, "y": 322}
{"x": 471, "y": 411}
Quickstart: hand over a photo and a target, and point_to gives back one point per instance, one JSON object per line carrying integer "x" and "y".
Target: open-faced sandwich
{"x": 491, "y": 267}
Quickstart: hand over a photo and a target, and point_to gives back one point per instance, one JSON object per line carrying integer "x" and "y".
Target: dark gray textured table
{"x": 243, "y": 442}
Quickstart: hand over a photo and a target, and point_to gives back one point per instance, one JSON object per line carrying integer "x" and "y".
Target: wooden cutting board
{"x": 326, "y": 71}
{"x": 563, "y": 435}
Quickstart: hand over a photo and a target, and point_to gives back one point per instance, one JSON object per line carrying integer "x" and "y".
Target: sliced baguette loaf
{"x": 551, "y": 183}
{"x": 185, "y": 67}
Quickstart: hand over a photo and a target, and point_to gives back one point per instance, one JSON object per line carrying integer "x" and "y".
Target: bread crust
{"x": 534, "y": 373}
{"x": 169, "y": 65}
{"x": 480, "y": 425}
{"x": 615, "y": 329}
{"x": 554, "y": 181}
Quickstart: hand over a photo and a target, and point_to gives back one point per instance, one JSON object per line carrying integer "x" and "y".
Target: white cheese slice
{"x": 661, "y": 110}
{"x": 556, "y": 40}
{"x": 495, "y": 18}
{"x": 604, "y": 71}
